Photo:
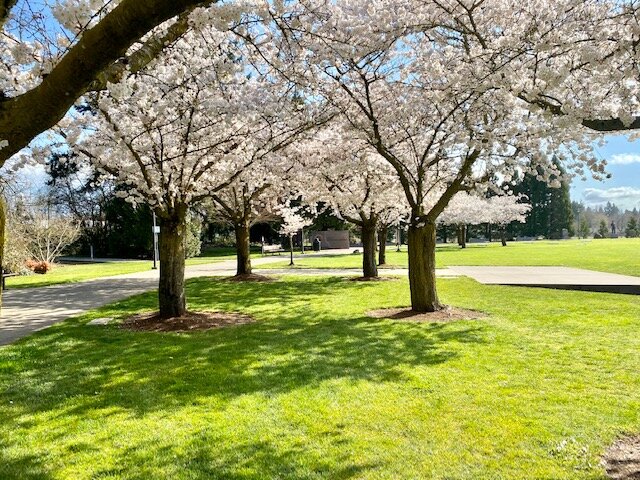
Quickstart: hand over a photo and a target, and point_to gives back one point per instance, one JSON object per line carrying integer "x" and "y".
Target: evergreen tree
{"x": 611, "y": 209}
{"x": 584, "y": 229}
{"x": 633, "y": 229}
{"x": 536, "y": 192}
{"x": 129, "y": 230}
{"x": 603, "y": 229}
{"x": 560, "y": 213}
{"x": 551, "y": 208}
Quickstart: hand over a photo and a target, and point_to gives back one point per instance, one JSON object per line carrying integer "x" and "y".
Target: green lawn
{"x": 316, "y": 390}
{"x": 69, "y": 273}
{"x": 621, "y": 255}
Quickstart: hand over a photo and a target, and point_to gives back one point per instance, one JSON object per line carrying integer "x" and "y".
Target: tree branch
{"x": 24, "y": 117}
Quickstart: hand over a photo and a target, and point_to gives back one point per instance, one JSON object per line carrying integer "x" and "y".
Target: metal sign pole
{"x": 156, "y": 230}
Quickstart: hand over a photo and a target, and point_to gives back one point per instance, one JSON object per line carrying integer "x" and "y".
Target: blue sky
{"x": 623, "y": 188}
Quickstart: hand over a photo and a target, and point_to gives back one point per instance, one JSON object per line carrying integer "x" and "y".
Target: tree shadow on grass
{"x": 27, "y": 466}
{"x": 289, "y": 348}
{"x": 299, "y": 341}
{"x": 207, "y": 456}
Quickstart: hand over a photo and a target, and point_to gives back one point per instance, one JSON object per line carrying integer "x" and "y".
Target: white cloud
{"x": 624, "y": 159}
{"x": 625, "y": 197}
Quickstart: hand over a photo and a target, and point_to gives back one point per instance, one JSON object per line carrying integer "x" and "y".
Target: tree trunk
{"x": 489, "y": 232}
{"x": 369, "y": 267}
{"x": 243, "y": 248}
{"x": 291, "y": 250}
{"x": 171, "y": 297}
{"x": 462, "y": 236}
{"x": 503, "y": 236}
{"x": 3, "y": 224}
{"x": 422, "y": 268}
{"x": 382, "y": 245}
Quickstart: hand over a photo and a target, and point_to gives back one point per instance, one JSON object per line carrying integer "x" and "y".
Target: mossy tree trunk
{"x": 422, "y": 267}
{"x": 382, "y": 245}
{"x": 243, "y": 247}
{"x": 173, "y": 230}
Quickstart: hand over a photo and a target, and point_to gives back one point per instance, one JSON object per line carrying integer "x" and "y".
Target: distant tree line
{"x": 606, "y": 220}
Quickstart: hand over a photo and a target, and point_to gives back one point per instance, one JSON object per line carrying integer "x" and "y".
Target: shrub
{"x": 37, "y": 266}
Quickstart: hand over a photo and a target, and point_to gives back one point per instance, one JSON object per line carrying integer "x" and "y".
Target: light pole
{"x": 156, "y": 230}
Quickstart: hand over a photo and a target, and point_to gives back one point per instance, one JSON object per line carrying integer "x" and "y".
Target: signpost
{"x": 156, "y": 231}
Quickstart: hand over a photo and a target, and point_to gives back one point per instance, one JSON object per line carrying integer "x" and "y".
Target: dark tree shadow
{"x": 142, "y": 372}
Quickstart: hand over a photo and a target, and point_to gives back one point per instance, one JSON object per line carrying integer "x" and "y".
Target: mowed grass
{"x": 619, "y": 255}
{"x": 314, "y": 389}
{"x": 70, "y": 273}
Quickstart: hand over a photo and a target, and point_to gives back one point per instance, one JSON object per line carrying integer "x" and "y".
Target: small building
{"x": 331, "y": 239}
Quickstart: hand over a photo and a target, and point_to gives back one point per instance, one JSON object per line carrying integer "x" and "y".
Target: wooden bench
{"x": 266, "y": 249}
{"x": 6, "y": 275}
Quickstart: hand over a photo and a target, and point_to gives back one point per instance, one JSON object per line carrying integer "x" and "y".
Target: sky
{"x": 623, "y": 188}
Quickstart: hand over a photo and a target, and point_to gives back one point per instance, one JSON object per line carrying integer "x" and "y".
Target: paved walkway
{"x": 355, "y": 272}
{"x": 26, "y": 310}
{"x": 553, "y": 277}
{"x": 31, "y": 309}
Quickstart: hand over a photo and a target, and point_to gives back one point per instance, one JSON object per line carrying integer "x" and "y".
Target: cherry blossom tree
{"x": 358, "y": 185}
{"x": 503, "y": 210}
{"x": 571, "y": 51}
{"x": 184, "y": 131}
{"x": 448, "y": 92}
{"x": 463, "y": 210}
{"x": 389, "y": 218}
{"x": 255, "y": 196}
{"x": 292, "y": 222}
{"x": 468, "y": 209}
{"x": 54, "y": 52}
{"x": 413, "y": 80}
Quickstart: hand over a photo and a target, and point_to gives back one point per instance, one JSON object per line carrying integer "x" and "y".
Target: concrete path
{"x": 30, "y": 309}
{"x": 26, "y": 310}
{"x": 351, "y": 272}
{"x": 553, "y": 277}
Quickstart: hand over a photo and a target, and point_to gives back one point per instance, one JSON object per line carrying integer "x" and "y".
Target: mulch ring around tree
{"x": 250, "y": 277}
{"x": 372, "y": 279}
{"x": 190, "y": 322}
{"x": 622, "y": 460}
{"x": 447, "y": 314}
